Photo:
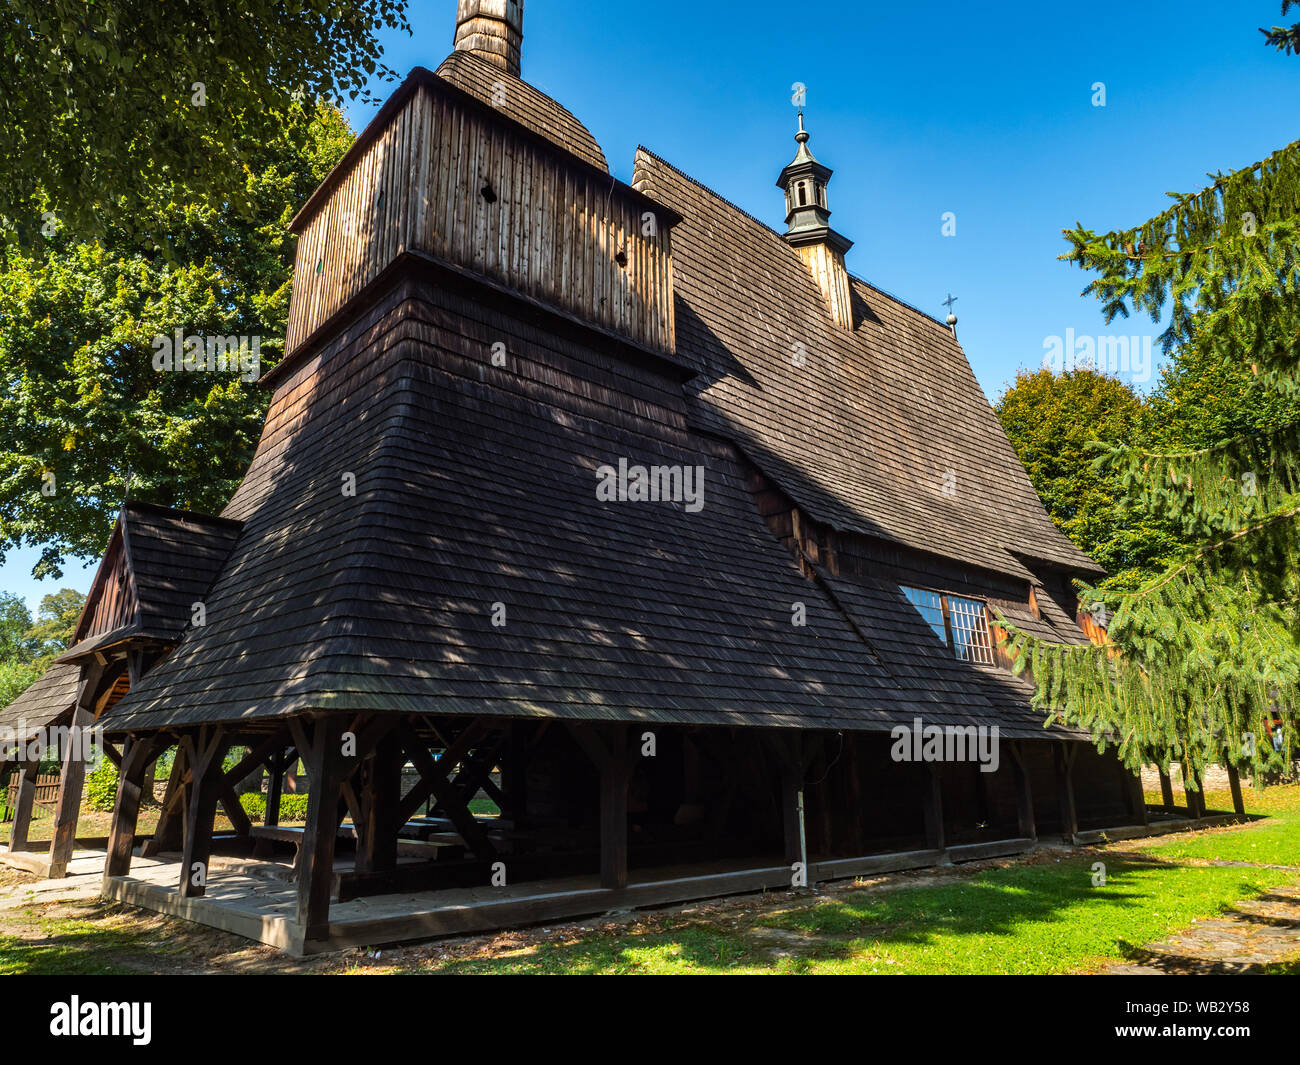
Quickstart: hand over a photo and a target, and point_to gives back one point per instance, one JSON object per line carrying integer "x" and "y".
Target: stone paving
{"x": 1246, "y": 940}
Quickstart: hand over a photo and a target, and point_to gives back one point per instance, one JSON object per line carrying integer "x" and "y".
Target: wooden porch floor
{"x": 256, "y": 900}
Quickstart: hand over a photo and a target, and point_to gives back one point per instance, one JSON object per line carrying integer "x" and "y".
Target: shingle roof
{"x": 476, "y": 485}
{"x": 47, "y": 698}
{"x": 174, "y": 556}
{"x": 882, "y": 431}
{"x": 522, "y": 102}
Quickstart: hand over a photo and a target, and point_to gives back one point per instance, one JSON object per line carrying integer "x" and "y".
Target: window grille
{"x": 970, "y": 630}
{"x": 960, "y": 623}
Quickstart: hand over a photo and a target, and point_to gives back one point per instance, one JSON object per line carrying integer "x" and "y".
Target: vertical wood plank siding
{"x": 553, "y": 233}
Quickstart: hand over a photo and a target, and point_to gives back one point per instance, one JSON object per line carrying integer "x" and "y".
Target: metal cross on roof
{"x": 950, "y": 301}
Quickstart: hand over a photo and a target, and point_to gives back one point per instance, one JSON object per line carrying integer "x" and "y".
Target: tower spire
{"x": 493, "y": 30}
{"x": 808, "y": 226}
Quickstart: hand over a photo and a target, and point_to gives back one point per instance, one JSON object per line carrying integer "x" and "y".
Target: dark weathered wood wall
{"x": 551, "y": 229}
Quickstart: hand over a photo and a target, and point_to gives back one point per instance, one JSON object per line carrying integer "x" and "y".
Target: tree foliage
{"x": 1285, "y": 38}
{"x": 1203, "y": 663}
{"x": 104, "y": 103}
{"x": 1053, "y": 420}
{"x": 28, "y": 648}
{"x": 84, "y": 415}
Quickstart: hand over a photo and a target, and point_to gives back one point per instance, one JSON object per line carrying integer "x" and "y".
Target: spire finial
{"x": 952, "y": 318}
{"x": 803, "y": 135}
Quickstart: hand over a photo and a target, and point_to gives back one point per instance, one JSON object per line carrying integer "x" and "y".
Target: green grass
{"x": 1272, "y": 842}
{"x": 80, "y": 947}
{"x": 1015, "y": 919}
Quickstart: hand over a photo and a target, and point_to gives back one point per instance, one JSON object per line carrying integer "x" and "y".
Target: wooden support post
{"x": 434, "y": 778}
{"x": 204, "y": 757}
{"x": 325, "y": 766}
{"x": 934, "y": 834}
{"x": 1234, "y": 784}
{"x": 1166, "y": 792}
{"x": 614, "y": 777}
{"x": 380, "y": 800}
{"x": 606, "y": 746}
{"x": 137, "y": 756}
{"x": 281, "y": 761}
{"x": 793, "y": 834}
{"x": 1028, "y": 829}
{"x": 72, "y": 774}
{"x": 1065, "y": 755}
{"x": 27, "y": 774}
{"x": 170, "y": 833}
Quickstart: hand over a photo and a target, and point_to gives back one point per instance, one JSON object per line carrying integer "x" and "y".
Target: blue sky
{"x": 981, "y": 110}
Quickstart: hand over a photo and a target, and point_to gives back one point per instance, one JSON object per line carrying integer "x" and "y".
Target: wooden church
{"x": 605, "y": 502}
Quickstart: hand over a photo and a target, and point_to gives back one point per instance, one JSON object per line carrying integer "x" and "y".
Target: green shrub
{"x": 101, "y": 785}
{"x": 292, "y": 807}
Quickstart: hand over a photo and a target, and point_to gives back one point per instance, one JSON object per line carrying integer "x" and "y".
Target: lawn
{"x": 1040, "y": 913}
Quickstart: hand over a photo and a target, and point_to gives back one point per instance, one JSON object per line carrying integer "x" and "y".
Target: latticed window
{"x": 970, "y": 629}
{"x": 960, "y": 623}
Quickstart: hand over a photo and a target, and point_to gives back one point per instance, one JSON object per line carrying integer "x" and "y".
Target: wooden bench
{"x": 265, "y": 835}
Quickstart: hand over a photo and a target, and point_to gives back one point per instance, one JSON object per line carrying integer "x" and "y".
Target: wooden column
{"x": 138, "y": 755}
{"x": 381, "y": 783}
{"x": 274, "y": 788}
{"x": 28, "y": 772}
{"x": 1024, "y": 794}
{"x": 170, "y": 833}
{"x": 1234, "y": 784}
{"x": 323, "y": 756}
{"x": 204, "y": 753}
{"x": 792, "y": 800}
{"x": 72, "y": 775}
{"x": 933, "y": 802}
{"x": 1167, "y": 792}
{"x": 1065, "y": 755}
{"x": 614, "y": 776}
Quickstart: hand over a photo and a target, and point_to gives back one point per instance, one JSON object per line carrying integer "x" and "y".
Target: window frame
{"x": 948, "y": 640}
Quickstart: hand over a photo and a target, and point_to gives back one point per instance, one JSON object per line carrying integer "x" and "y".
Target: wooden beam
{"x": 1024, "y": 793}
{"x": 378, "y": 825}
{"x": 137, "y": 754}
{"x": 1065, "y": 755}
{"x": 933, "y": 806}
{"x": 27, "y": 774}
{"x": 72, "y": 774}
{"x": 234, "y": 809}
{"x": 204, "y": 756}
{"x": 614, "y": 776}
{"x": 434, "y": 776}
{"x": 325, "y": 769}
{"x": 169, "y": 835}
{"x": 275, "y": 788}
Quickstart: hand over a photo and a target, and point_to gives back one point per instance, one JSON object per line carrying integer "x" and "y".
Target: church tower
{"x": 493, "y": 30}
{"x": 808, "y": 228}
